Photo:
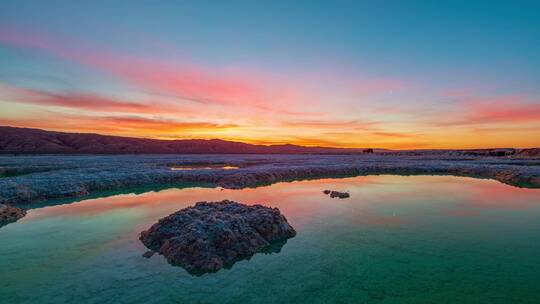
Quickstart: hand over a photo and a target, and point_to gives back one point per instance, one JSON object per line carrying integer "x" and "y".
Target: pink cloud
{"x": 76, "y": 100}
{"x": 188, "y": 81}
{"x": 177, "y": 79}
{"x": 505, "y": 109}
{"x": 478, "y": 110}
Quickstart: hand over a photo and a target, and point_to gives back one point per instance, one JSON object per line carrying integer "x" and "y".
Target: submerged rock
{"x": 9, "y": 214}
{"x": 148, "y": 254}
{"x": 336, "y": 194}
{"x": 212, "y": 235}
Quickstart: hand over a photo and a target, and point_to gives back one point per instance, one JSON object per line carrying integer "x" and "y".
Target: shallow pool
{"x": 419, "y": 239}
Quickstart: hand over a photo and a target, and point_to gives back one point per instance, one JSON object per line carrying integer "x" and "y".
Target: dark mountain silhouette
{"x": 15, "y": 140}
{"x": 35, "y": 141}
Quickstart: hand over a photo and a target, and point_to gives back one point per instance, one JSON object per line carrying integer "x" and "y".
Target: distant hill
{"x": 35, "y": 141}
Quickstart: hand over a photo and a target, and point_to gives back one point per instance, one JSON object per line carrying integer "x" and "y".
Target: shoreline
{"x": 37, "y": 179}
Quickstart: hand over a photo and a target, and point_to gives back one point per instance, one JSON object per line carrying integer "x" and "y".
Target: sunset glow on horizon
{"x": 387, "y": 75}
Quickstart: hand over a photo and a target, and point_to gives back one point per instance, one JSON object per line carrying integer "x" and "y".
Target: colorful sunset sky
{"x": 388, "y": 74}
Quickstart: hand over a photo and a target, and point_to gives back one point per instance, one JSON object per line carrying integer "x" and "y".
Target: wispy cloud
{"x": 75, "y": 100}
{"x": 119, "y": 125}
{"x": 183, "y": 79}
{"x": 393, "y": 134}
{"x": 472, "y": 111}
{"x": 178, "y": 78}
{"x": 181, "y": 98}
{"x": 331, "y": 124}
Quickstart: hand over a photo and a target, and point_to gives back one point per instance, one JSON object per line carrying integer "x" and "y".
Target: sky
{"x": 385, "y": 74}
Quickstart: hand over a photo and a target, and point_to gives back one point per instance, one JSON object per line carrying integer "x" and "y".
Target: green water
{"x": 416, "y": 239}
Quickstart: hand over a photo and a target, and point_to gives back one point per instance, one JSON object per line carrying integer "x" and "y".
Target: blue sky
{"x": 427, "y": 57}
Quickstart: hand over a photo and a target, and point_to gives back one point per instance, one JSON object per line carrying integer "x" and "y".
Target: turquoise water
{"x": 420, "y": 239}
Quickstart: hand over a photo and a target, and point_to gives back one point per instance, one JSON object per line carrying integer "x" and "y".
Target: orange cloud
{"x": 118, "y": 125}
{"x": 393, "y": 134}
{"x": 331, "y": 124}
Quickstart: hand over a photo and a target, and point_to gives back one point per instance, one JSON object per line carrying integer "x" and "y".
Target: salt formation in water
{"x": 9, "y": 214}
{"x": 212, "y": 235}
{"x": 336, "y": 194}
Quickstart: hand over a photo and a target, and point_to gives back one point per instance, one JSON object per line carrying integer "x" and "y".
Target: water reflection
{"x": 273, "y": 248}
{"x": 417, "y": 239}
{"x": 374, "y": 199}
{"x": 203, "y": 167}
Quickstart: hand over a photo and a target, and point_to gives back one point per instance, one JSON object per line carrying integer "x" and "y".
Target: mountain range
{"x": 15, "y": 140}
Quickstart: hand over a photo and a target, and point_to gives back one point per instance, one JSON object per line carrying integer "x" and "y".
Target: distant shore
{"x": 34, "y": 180}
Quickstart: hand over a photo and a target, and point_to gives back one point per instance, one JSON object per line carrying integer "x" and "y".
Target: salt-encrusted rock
{"x": 339, "y": 194}
{"x": 9, "y": 214}
{"x": 212, "y": 235}
{"x": 336, "y": 194}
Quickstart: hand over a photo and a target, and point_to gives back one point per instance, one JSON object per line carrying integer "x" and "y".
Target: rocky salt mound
{"x": 9, "y": 214}
{"x": 337, "y": 194}
{"x": 212, "y": 235}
